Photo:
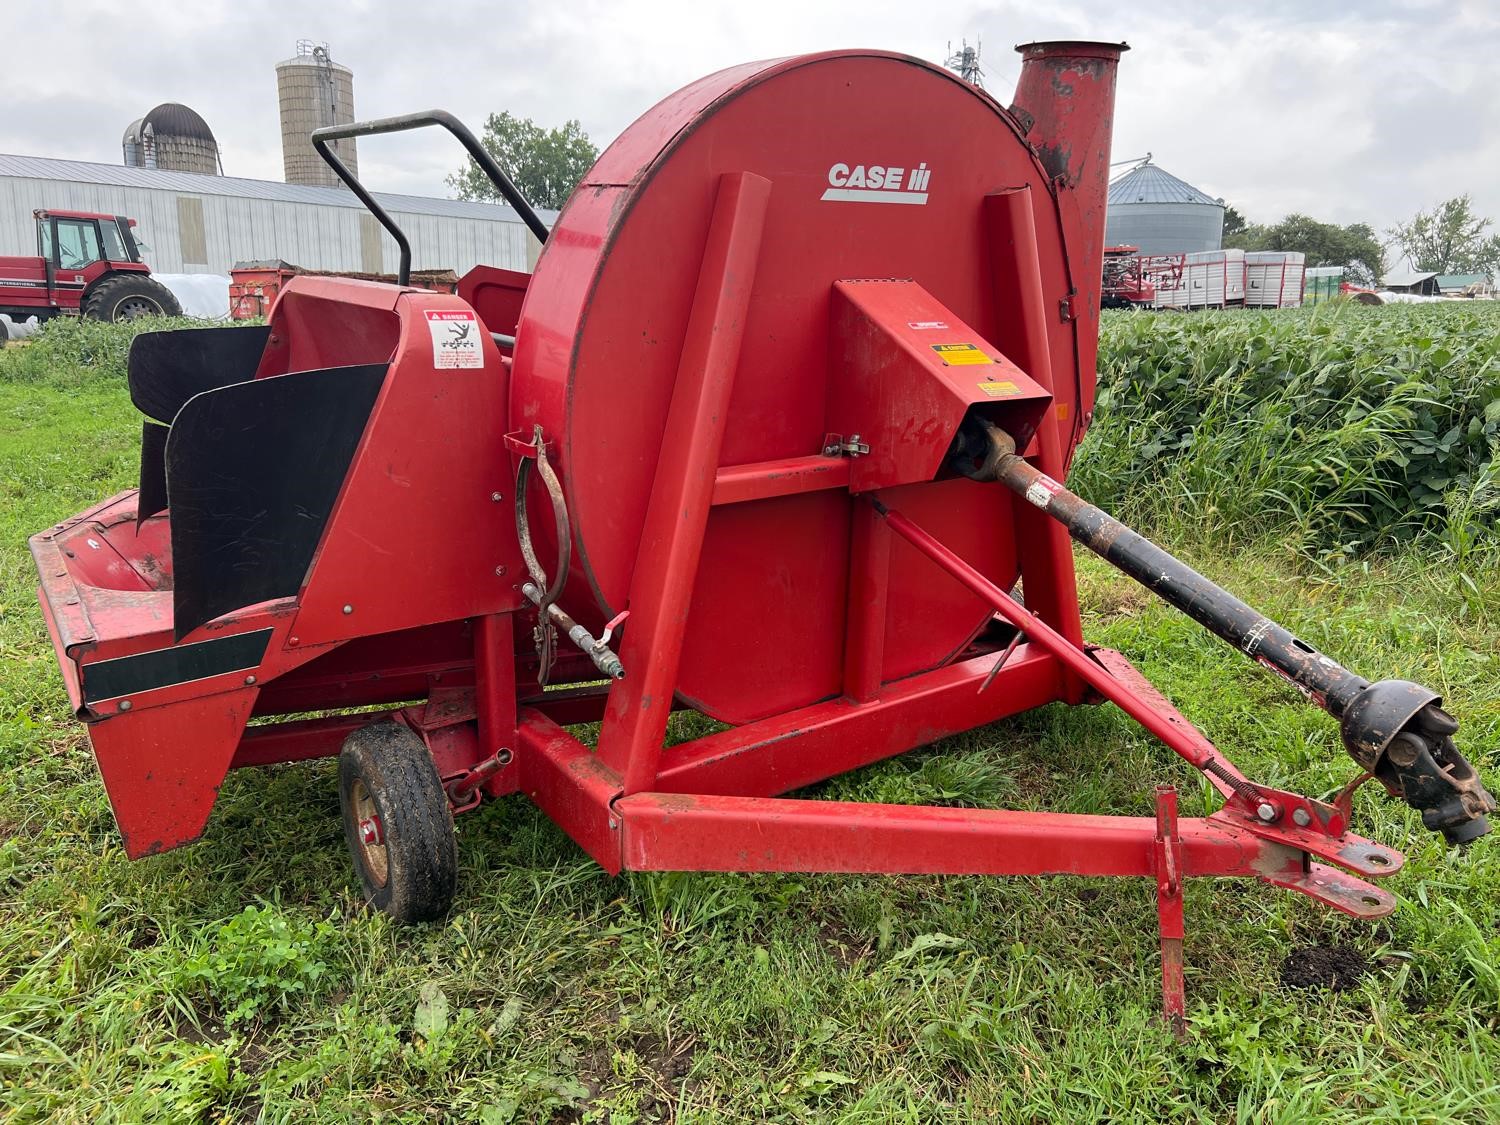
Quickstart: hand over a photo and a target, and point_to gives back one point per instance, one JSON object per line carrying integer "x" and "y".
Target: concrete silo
{"x": 174, "y": 138}
{"x": 313, "y": 91}
{"x": 1161, "y": 214}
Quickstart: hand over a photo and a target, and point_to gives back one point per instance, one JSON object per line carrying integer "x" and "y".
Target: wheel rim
{"x": 133, "y": 307}
{"x": 369, "y": 834}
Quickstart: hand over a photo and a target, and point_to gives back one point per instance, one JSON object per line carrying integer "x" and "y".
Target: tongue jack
{"x": 1394, "y": 729}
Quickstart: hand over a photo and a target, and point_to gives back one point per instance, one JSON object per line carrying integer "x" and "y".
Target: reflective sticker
{"x": 924, "y": 325}
{"x": 960, "y": 355}
{"x": 456, "y": 340}
{"x": 1000, "y": 390}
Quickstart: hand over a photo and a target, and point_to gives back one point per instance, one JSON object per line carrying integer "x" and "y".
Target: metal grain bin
{"x": 1161, "y": 214}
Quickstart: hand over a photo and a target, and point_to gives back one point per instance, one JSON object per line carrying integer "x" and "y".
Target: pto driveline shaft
{"x": 1394, "y": 729}
{"x": 1329, "y": 685}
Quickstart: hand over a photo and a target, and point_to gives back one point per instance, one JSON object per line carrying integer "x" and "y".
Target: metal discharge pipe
{"x": 1394, "y": 729}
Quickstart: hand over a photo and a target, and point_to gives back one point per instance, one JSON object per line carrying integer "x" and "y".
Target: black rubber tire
{"x": 125, "y": 296}
{"x": 386, "y": 766}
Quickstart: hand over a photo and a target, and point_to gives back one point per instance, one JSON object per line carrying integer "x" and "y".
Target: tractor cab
{"x": 86, "y": 264}
{"x": 78, "y": 248}
{"x": 79, "y": 240}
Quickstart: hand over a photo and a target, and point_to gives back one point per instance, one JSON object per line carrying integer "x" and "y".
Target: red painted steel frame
{"x": 1169, "y": 875}
{"x": 1054, "y": 642}
{"x": 696, "y": 832}
{"x": 635, "y": 720}
{"x": 1042, "y": 544}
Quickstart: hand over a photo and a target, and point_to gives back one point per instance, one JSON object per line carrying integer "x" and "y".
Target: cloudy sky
{"x": 1347, "y": 111}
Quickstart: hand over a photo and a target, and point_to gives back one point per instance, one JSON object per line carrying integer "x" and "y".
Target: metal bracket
{"x": 522, "y": 443}
{"x": 465, "y": 789}
{"x": 834, "y": 445}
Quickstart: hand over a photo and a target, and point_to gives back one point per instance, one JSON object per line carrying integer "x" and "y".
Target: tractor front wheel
{"x": 398, "y": 823}
{"x": 125, "y": 296}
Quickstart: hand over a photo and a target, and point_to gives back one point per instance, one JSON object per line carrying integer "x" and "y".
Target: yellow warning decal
{"x": 960, "y": 355}
{"x": 1000, "y": 390}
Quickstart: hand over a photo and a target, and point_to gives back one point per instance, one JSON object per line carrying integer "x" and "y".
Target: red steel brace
{"x": 1169, "y": 910}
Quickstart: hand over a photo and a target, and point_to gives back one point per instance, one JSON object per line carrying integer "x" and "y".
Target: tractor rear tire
{"x": 398, "y": 823}
{"x": 125, "y": 296}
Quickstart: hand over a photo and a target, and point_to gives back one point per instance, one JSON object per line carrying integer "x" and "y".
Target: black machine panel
{"x": 166, "y": 369}
{"x": 253, "y": 471}
{"x": 152, "y": 497}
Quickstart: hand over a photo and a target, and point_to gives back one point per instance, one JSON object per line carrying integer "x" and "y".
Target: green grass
{"x": 241, "y": 979}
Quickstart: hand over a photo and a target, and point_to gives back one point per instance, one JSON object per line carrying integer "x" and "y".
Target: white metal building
{"x": 194, "y": 223}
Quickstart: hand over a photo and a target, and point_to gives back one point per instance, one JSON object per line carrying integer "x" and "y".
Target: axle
{"x": 1394, "y": 729}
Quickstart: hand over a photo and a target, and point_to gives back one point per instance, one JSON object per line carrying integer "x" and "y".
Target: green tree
{"x": 545, "y": 164}
{"x": 1354, "y": 247}
{"x": 1234, "y": 222}
{"x": 1449, "y": 239}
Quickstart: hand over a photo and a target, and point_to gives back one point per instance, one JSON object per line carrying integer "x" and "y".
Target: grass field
{"x": 241, "y": 979}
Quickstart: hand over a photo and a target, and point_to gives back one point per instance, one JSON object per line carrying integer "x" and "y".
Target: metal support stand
{"x": 661, "y": 590}
{"x": 1169, "y": 910}
{"x": 1043, "y": 549}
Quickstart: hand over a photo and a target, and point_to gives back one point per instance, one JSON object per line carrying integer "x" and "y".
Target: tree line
{"x": 1450, "y": 238}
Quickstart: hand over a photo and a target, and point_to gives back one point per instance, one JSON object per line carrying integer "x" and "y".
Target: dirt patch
{"x": 663, "y": 1066}
{"x": 848, "y": 948}
{"x": 253, "y": 1057}
{"x": 209, "y": 1031}
{"x": 1334, "y": 967}
{"x": 144, "y": 935}
{"x": 669, "y": 1061}
{"x": 1124, "y": 600}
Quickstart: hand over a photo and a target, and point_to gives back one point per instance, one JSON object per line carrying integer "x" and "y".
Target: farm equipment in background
{"x": 1204, "y": 279}
{"x": 1133, "y": 280}
{"x": 253, "y": 286}
{"x": 86, "y": 264}
{"x": 771, "y": 434}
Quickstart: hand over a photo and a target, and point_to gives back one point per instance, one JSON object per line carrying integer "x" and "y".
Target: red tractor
{"x": 85, "y": 264}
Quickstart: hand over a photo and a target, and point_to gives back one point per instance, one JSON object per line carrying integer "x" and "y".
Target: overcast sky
{"x": 1349, "y": 112}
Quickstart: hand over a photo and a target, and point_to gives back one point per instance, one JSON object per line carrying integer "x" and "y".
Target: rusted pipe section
{"x": 1394, "y": 729}
{"x": 1065, "y": 104}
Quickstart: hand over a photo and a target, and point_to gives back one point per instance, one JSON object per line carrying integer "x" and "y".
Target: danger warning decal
{"x": 456, "y": 338}
{"x": 960, "y": 355}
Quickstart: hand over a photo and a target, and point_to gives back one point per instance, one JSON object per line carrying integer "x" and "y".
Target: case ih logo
{"x": 877, "y": 183}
